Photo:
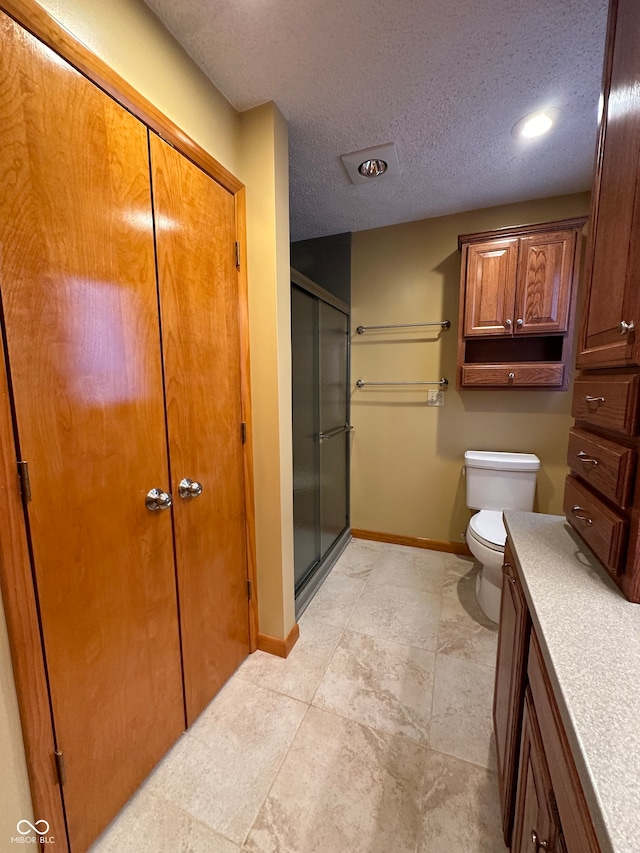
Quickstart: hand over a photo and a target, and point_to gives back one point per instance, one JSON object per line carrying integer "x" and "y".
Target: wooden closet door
{"x": 195, "y": 240}
{"x": 77, "y": 280}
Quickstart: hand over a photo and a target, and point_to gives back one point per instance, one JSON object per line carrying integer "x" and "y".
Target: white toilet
{"x": 495, "y": 481}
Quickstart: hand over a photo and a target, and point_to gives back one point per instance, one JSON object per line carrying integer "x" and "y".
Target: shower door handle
{"x": 325, "y": 436}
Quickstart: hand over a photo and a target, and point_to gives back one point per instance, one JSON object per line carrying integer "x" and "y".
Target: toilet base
{"x": 488, "y": 596}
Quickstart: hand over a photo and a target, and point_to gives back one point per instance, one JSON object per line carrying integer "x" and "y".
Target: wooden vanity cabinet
{"x": 537, "y": 826}
{"x": 540, "y": 793}
{"x": 517, "y": 297}
{"x": 513, "y": 643}
{"x": 602, "y": 495}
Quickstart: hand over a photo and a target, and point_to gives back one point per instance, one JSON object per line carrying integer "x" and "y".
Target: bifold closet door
{"x": 195, "y": 240}
{"x": 80, "y": 322}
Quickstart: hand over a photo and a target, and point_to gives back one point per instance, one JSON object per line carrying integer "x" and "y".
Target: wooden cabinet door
{"x": 534, "y": 828}
{"x": 613, "y": 279}
{"x": 490, "y": 287}
{"x": 513, "y": 644}
{"x": 195, "y": 239}
{"x": 545, "y": 272}
{"x": 77, "y": 280}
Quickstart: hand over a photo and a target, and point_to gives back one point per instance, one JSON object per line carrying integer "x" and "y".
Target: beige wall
{"x": 266, "y": 167}
{"x": 406, "y": 457}
{"x": 128, "y": 37}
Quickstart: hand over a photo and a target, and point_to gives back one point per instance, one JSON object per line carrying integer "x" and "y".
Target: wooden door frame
{"x": 17, "y": 583}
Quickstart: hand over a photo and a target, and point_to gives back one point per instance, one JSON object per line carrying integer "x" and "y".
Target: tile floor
{"x": 374, "y": 736}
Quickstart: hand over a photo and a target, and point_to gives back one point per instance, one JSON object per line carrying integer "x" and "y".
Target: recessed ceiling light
{"x": 372, "y": 168}
{"x": 379, "y": 162}
{"x": 535, "y": 124}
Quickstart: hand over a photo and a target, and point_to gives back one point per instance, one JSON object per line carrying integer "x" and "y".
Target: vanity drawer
{"x": 605, "y": 465}
{"x": 604, "y": 531}
{"x": 610, "y": 402}
{"x": 526, "y": 375}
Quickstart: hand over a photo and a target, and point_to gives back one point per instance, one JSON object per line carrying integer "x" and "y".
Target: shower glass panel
{"x": 333, "y": 342}
{"x": 320, "y": 369}
{"x": 306, "y": 449}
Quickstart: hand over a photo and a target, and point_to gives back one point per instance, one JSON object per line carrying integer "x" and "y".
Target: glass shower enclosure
{"x": 321, "y": 433}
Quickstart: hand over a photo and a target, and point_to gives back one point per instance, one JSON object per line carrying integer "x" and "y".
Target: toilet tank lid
{"x": 501, "y": 461}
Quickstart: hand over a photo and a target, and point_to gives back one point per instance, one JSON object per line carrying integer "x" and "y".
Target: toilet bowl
{"x": 495, "y": 481}
{"x": 485, "y": 537}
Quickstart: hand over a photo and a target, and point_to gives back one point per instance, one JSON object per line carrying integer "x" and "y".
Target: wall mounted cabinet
{"x": 517, "y": 296}
{"x": 602, "y": 495}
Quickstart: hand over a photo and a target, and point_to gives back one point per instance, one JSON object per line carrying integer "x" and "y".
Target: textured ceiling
{"x": 445, "y": 81}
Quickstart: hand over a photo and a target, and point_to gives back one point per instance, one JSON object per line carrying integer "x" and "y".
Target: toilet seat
{"x": 488, "y": 528}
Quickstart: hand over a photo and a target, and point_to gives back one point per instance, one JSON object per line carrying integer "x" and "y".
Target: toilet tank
{"x": 500, "y": 480}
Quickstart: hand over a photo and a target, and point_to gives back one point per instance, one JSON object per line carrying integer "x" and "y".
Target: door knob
{"x": 157, "y": 499}
{"x": 188, "y": 489}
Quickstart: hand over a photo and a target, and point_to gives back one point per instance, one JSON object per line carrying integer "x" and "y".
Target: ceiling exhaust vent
{"x": 372, "y": 165}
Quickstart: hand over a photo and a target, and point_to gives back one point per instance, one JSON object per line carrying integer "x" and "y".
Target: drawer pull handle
{"x": 537, "y": 843}
{"x": 626, "y": 328}
{"x": 587, "y": 460}
{"x": 508, "y": 324}
{"x": 511, "y": 376}
{"x": 598, "y": 400}
{"x": 576, "y": 510}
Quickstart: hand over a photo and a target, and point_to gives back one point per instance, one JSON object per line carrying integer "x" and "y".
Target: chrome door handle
{"x": 537, "y": 843}
{"x": 576, "y": 510}
{"x": 157, "y": 499}
{"x": 587, "y": 460}
{"x": 626, "y": 328}
{"x": 519, "y": 323}
{"x": 325, "y": 436}
{"x": 589, "y": 399}
{"x": 508, "y": 324}
{"x": 188, "y": 489}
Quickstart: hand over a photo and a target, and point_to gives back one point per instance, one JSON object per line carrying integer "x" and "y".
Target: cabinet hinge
{"x": 249, "y": 590}
{"x": 237, "y": 250}
{"x": 243, "y": 432}
{"x": 24, "y": 482}
{"x": 60, "y": 768}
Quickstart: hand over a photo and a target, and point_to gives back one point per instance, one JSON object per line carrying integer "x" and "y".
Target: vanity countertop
{"x": 590, "y": 639}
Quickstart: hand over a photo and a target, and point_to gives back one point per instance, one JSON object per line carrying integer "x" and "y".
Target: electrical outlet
{"x": 435, "y": 398}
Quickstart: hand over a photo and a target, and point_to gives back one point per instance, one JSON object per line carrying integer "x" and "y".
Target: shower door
{"x": 320, "y": 369}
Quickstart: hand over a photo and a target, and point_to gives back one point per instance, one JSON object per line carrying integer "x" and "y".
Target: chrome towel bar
{"x": 442, "y": 382}
{"x": 444, "y": 324}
